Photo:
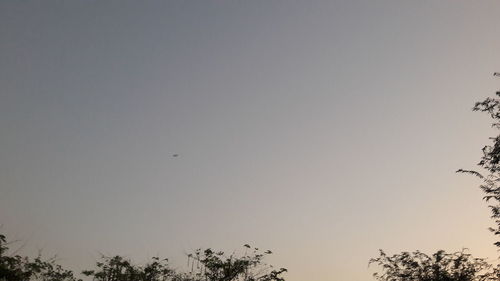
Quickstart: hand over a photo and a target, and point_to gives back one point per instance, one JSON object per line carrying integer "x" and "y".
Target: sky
{"x": 321, "y": 130}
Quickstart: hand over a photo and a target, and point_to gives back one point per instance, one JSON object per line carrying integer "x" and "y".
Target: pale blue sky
{"x": 323, "y": 130}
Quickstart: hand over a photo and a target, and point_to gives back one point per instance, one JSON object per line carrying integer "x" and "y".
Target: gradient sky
{"x": 322, "y": 130}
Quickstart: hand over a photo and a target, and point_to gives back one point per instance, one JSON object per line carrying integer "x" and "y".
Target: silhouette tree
{"x": 118, "y": 268}
{"x": 458, "y": 266}
{"x": 215, "y": 266}
{"x": 490, "y": 161}
{"x": 203, "y": 265}
{"x": 440, "y": 266}
{"x": 17, "y": 268}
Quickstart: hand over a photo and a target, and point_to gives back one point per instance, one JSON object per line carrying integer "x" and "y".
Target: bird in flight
{"x": 175, "y": 155}
{"x": 496, "y": 74}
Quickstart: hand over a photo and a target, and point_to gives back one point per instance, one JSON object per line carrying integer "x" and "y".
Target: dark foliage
{"x": 215, "y": 266}
{"x": 120, "y": 269}
{"x": 440, "y": 266}
{"x": 203, "y": 265}
{"x": 490, "y": 162}
{"x": 18, "y": 268}
{"x": 458, "y": 266}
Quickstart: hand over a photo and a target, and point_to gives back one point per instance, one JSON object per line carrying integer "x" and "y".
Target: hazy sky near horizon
{"x": 322, "y": 130}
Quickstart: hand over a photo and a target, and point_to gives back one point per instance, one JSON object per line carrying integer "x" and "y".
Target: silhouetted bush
{"x": 490, "y": 162}
{"x": 120, "y": 269}
{"x": 203, "y": 265}
{"x": 458, "y": 266}
{"x": 215, "y": 266}
{"x": 17, "y": 268}
{"x": 441, "y": 266}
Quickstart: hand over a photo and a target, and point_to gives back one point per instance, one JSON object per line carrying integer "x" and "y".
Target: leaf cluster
{"x": 118, "y": 268}
{"x": 205, "y": 265}
{"x": 490, "y": 162}
{"x": 440, "y": 266}
{"x": 18, "y": 268}
{"x": 216, "y": 266}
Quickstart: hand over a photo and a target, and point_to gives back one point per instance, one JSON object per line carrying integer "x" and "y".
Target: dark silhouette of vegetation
{"x": 119, "y": 268}
{"x": 490, "y": 162}
{"x": 216, "y": 266}
{"x": 18, "y": 268}
{"x": 440, "y": 266}
{"x": 203, "y": 265}
{"x": 458, "y": 266}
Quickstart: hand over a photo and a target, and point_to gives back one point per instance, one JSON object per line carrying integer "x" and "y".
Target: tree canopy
{"x": 203, "y": 265}
{"x": 14, "y": 267}
{"x": 490, "y": 162}
{"x": 440, "y": 266}
{"x": 458, "y": 266}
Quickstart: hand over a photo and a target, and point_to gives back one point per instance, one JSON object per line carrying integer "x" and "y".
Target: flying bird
{"x": 175, "y": 155}
{"x": 496, "y": 74}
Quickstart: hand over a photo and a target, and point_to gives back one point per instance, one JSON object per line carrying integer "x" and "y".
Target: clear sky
{"x": 322, "y": 130}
